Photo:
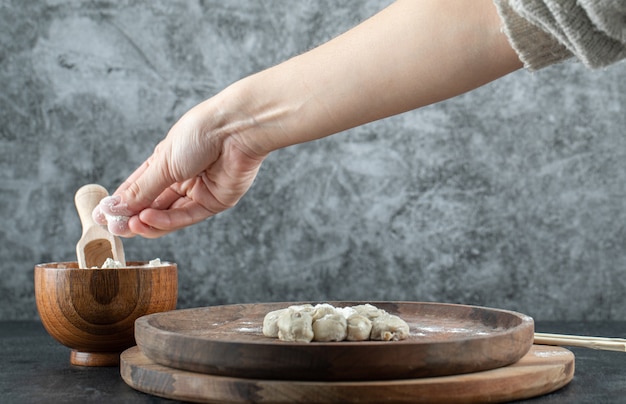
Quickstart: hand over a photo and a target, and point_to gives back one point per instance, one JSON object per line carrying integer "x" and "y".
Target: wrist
{"x": 267, "y": 111}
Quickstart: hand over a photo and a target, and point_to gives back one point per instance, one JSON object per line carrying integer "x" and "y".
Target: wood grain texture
{"x": 228, "y": 340}
{"x": 93, "y": 311}
{"x": 542, "y": 370}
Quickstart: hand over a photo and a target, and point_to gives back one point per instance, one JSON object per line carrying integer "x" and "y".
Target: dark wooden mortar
{"x": 93, "y": 311}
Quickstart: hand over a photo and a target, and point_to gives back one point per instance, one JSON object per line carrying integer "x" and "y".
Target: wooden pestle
{"x": 96, "y": 243}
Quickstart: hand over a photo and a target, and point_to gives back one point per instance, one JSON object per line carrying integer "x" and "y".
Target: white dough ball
{"x": 369, "y": 311}
{"x": 331, "y": 327}
{"x": 270, "y": 323}
{"x": 359, "y": 328}
{"x": 389, "y": 328}
{"x": 295, "y": 325}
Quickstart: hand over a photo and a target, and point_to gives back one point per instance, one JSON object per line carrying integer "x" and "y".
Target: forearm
{"x": 411, "y": 54}
{"x": 414, "y": 53}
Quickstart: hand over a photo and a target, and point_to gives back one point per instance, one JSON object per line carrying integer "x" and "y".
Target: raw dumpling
{"x": 331, "y": 327}
{"x": 359, "y": 328}
{"x": 389, "y": 328}
{"x": 346, "y": 311}
{"x": 295, "y": 325}
{"x": 321, "y": 310}
{"x": 270, "y": 323}
{"x": 369, "y": 311}
{"x": 324, "y": 323}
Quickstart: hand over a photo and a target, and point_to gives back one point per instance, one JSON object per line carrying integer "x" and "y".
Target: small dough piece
{"x": 331, "y": 327}
{"x": 389, "y": 328}
{"x": 321, "y": 310}
{"x": 359, "y": 328}
{"x": 111, "y": 263}
{"x": 295, "y": 325}
{"x": 270, "y": 323}
{"x": 369, "y": 311}
{"x": 324, "y": 323}
{"x": 155, "y": 263}
{"x": 346, "y": 311}
{"x": 303, "y": 307}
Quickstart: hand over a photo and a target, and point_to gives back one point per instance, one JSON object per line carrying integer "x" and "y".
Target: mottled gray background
{"x": 511, "y": 196}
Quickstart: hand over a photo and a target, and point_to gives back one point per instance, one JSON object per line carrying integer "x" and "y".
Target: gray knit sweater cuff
{"x": 544, "y": 32}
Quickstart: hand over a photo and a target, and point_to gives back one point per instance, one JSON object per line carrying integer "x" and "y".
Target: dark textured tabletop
{"x": 35, "y": 369}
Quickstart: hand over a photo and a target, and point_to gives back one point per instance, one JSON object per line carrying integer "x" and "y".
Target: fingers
{"x": 154, "y": 201}
{"x": 140, "y": 190}
{"x": 145, "y": 185}
{"x": 137, "y": 227}
{"x": 173, "y": 209}
{"x": 153, "y": 223}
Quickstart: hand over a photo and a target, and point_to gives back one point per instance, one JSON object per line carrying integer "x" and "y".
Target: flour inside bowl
{"x": 111, "y": 263}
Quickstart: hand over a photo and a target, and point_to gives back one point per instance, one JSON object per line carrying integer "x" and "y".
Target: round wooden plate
{"x": 542, "y": 370}
{"x": 445, "y": 339}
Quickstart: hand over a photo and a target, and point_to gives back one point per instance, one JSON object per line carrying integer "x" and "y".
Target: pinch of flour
{"x": 111, "y": 263}
{"x": 114, "y": 218}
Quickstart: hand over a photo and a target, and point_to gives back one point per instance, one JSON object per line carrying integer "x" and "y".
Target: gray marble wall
{"x": 511, "y": 196}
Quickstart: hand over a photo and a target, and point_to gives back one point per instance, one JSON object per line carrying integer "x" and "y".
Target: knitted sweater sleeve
{"x": 544, "y": 32}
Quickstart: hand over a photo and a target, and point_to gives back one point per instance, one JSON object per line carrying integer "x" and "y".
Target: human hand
{"x": 197, "y": 171}
{"x": 407, "y": 56}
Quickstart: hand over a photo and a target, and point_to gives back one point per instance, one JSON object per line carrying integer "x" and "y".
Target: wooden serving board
{"x": 444, "y": 339}
{"x": 542, "y": 370}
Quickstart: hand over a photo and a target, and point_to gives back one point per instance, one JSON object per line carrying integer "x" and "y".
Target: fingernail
{"x": 112, "y": 205}
{"x": 111, "y": 201}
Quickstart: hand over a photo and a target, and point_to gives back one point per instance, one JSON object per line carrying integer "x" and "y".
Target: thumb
{"x": 145, "y": 185}
{"x": 137, "y": 193}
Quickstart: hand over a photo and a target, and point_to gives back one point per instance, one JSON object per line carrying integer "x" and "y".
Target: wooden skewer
{"x": 608, "y": 344}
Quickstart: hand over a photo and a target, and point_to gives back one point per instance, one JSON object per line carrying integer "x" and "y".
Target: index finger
{"x": 143, "y": 186}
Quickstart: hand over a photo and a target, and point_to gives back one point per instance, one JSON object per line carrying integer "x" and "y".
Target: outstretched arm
{"x": 411, "y": 54}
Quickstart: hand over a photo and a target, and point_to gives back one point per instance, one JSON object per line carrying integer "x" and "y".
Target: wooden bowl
{"x": 93, "y": 311}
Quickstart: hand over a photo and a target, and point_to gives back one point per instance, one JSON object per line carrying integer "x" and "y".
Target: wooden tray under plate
{"x": 445, "y": 339}
{"x": 542, "y": 370}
